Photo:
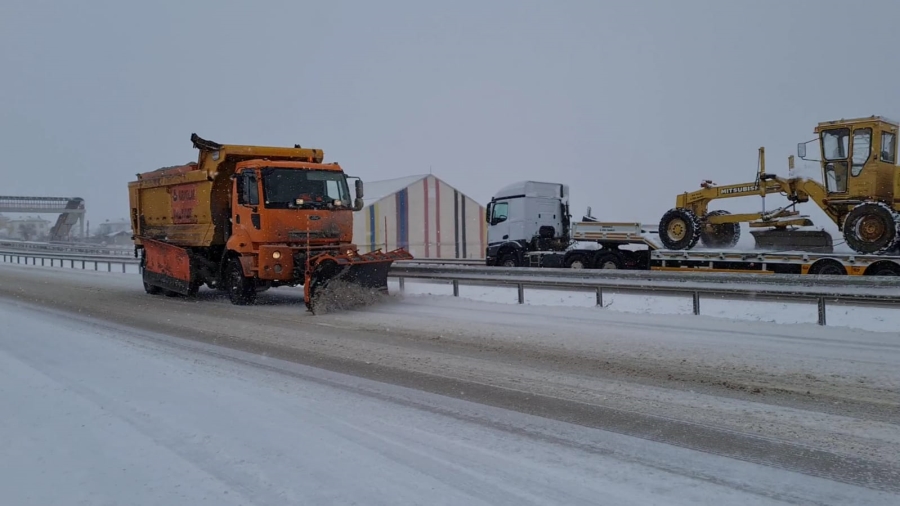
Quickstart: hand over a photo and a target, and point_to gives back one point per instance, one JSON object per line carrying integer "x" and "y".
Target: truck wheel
{"x": 608, "y": 261}
{"x": 193, "y": 288}
{"x": 871, "y": 228}
{"x": 241, "y": 289}
{"x": 151, "y": 289}
{"x": 577, "y": 261}
{"x": 679, "y": 228}
{"x": 509, "y": 260}
{"x": 724, "y": 235}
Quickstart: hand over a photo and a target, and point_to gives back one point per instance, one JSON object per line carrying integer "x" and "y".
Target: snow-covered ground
{"x": 878, "y": 319}
{"x": 101, "y": 417}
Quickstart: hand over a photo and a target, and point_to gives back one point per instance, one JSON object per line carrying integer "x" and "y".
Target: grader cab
{"x": 858, "y": 160}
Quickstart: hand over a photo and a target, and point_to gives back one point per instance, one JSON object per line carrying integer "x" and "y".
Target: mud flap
{"x": 166, "y": 266}
{"x": 813, "y": 241}
{"x": 349, "y": 280}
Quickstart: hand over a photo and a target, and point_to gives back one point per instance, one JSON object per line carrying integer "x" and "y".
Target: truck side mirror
{"x": 359, "y": 189}
{"x": 487, "y": 212}
{"x": 801, "y": 150}
{"x": 358, "y": 204}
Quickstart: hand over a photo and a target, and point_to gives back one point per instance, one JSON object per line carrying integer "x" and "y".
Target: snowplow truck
{"x": 243, "y": 219}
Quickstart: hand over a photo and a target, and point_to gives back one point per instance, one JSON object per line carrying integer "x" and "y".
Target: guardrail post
{"x": 95, "y": 265}
{"x": 821, "y": 304}
{"x": 521, "y": 289}
{"x": 455, "y": 288}
{"x": 402, "y": 282}
{"x": 599, "y": 296}
{"x": 696, "y": 303}
{"x": 109, "y": 266}
{"x": 123, "y": 267}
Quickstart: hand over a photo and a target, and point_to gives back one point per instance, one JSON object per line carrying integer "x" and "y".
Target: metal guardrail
{"x": 96, "y": 249}
{"x": 79, "y": 248}
{"x": 824, "y": 291}
{"x": 70, "y": 260}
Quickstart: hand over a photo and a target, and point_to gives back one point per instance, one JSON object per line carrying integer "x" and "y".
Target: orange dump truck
{"x": 243, "y": 219}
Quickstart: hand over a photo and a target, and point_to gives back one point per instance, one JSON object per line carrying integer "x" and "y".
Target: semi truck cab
{"x": 526, "y": 216}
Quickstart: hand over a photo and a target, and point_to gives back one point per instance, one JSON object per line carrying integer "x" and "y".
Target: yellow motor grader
{"x": 861, "y": 194}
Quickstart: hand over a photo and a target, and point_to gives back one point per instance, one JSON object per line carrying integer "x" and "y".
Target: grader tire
{"x": 724, "y": 235}
{"x": 871, "y": 228}
{"x": 679, "y": 229}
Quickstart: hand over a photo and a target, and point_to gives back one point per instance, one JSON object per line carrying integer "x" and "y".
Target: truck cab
{"x": 526, "y": 216}
{"x": 529, "y": 225}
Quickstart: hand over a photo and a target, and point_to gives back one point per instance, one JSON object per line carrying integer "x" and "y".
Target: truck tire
{"x": 241, "y": 289}
{"x": 871, "y": 228}
{"x": 679, "y": 229}
{"x": 608, "y": 261}
{"x": 578, "y": 261}
{"x": 151, "y": 289}
{"x": 509, "y": 260}
{"x": 724, "y": 235}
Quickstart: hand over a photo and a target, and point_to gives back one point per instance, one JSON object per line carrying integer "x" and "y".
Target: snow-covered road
{"x": 116, "y": 396}
{"x": 97, "y": 417}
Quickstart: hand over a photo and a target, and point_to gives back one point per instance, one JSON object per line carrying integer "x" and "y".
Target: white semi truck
{"x": 529, "y": 225}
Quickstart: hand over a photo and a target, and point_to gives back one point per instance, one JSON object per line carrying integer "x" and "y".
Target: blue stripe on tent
{"x": 403, "y": 218}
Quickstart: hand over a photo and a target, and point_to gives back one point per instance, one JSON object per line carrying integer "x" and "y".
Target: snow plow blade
{"x": 345, "y": 281}
{"x": 813, "y": 241}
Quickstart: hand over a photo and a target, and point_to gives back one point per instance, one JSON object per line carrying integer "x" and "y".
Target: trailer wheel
{"x": 241, "y": 289}
{"x": 723, "y": 235}
{"x": 679, "y": 228}
{"x": 828, "y": 267}
{"x": 871, "y": 228}
{"x": 884, "y": 268}
{"x": 608, "y": 261}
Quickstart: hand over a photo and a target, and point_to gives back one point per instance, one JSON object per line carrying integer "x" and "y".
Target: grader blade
{"x": 814, "y": 241}
{"x": 348, "y": 281}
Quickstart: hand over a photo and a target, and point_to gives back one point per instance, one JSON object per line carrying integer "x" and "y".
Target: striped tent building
{"x": 423, "y": 214}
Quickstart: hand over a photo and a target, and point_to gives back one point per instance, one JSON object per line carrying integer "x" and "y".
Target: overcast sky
{"x": 629, "y": 102}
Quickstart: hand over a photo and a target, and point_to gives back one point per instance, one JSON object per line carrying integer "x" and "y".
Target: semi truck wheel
{"x": 509, "y": 260}
{"x": 608, "y": 261}
{"x": 723, "y": 235}
{"x": 871, "y": 228}
{"x": 577, "y": 261}
{"x": 241, "y": 289}
{"x": 679, "y": 229}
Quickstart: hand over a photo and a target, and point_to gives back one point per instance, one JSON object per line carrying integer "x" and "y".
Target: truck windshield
{"x": 304, "y": 188}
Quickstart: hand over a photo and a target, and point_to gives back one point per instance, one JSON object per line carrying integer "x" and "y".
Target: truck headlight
{"x": 276, "y": 255}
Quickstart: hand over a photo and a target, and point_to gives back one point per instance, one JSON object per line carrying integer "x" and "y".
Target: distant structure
{"x": 29, "y": 228}
{"x": 423, "y": 214}
{"x": 71, "y": 212}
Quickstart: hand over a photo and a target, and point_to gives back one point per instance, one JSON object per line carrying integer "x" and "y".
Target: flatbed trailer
{"x": 632, "y": 246}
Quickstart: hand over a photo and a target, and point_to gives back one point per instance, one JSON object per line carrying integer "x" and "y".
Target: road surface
{"x": 140, "y": 399}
